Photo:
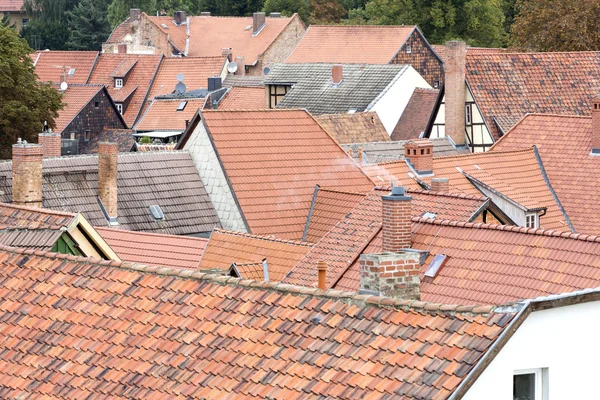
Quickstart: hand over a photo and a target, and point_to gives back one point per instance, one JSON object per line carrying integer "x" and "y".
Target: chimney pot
{"x": 454, "y": 90}
{"x": 322, "y": 274}
{"x": 258, "y": 22}
{"x": 107, "y": 178}
{"x": 337, "y": 74}
{"x": 596, "y": 126}
{"x": 440, "y": 185}
{"x": 396, "y": 220}
{"x": 419, "y": 152}
{"x": 361, "y": 156}
{"x": 27, "y": 174}
{"x": 51, "y": 143}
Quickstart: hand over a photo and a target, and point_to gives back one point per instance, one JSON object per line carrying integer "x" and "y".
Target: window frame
{"x": 275, "y": 96}
{"x": 536, "y": 223}
{"x": 86, "y": 135}
{"x": 119, "y": 107}
{"x": 540, "y": 381}
{"x": 408, "y": 49}
{"x": 118, "y": 83}
{"x": 468, "y": 114}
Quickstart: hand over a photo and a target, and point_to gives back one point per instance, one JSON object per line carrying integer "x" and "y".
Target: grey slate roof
{"x": 313, "y": 90}
{"x": 167, "y": 179}
{"x": 39, "y": 239}
{"x": 243, "y": 81}
{"x": 376, "y": 152}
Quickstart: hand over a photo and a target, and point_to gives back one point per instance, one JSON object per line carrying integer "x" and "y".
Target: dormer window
{"x": 531, "y": 221}
{"x": 118, "y": 83}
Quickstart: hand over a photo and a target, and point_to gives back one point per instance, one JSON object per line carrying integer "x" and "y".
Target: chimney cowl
{"x": 397, "y": 193}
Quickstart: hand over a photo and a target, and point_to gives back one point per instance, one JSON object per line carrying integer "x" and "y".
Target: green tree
{"x": 7, "y": 22}
{"x": 326, "y": 11}
{"x": 49, "y": 10}
{"x": 289, "y": 7}
{"x": 552, "y": 25}
{"x": 42, "y": 34}
{"x": 25, "y": 103}
{"x": 89, "y": 26}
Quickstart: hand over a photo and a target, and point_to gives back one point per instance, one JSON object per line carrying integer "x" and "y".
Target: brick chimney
{"x": 258, "y": 22}
{"x": 391, "y": 274}
{"x": 135, "y": 13}
{"x": 50, "y": 142}
{"x": 241, "y": 63}
{"x": 122, "y": 48}
{"x": 107, "y": 179}
{"x": 596, "y": 126}
{"x": 419, "y": 152}
{"x": 396, "y": 220}
{"x": 27, "y": 174}
{"x": 337, "y": 74}
{"x": 440, "y": 185}
{"x": 180, "y": 17}
{"x": 454, "y": 89}
{"x": 322, "y": 274}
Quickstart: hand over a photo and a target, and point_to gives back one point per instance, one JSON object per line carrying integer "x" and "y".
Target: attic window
{"x": 436, "y": 84}
{"x": 408, "y": 49}
{"x": 181, "y": 106}
{"x": 72, "y": 72}
{"x": 157, "y": 213}
{"x": 118, "y": 82}
{"x": 436, "y": 265}
{"x": 429, "y": 215}
{"x": 531, "y": 221}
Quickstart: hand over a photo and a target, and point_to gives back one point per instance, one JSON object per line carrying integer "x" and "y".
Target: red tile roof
{"x": 51, "y": 65}
{"x": 136, "y": 85}
{"x": 14, "y": 216}
{"x": 274, "y": 159}
{"x": 75, "y": 98}
{"x": 243, "y": 98}
{"x": 11, "y": 5}
{"x": 416, "y": 115}
{"x": 350, "y": 44}
{"x": 564, "y": 144}
{"x": 343, "y": 244}
{"x": 358, "y": 127}
{"x": 226, "y": 247}
{"x": 506, "y": 86}
{"x": 171, "y": 251}
{"x": 81, "y": 329}
{"x": 195, "y": 71}
{"x": 162, "y": 115}
{"x": 518, "y": 173}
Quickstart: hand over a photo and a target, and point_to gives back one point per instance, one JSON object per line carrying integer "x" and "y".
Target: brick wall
{"x": 107, "y": 176}
{"x": 143, "y": 38}
{"x": 455, "y": 96}
{"x": 391, "y": 274}
{"x": 396, "y": 221}
{"x": 27, "y": 174}
{"x": 419, "y": 152}
{"x": 50, "y": 142}
{"x": 93, "y": 119}
{"x": 440, "y": 185}
{"x": 422, "y": 58}
{"x": 281, "y": 48}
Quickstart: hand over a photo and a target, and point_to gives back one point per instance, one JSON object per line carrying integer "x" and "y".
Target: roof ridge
{"x": 341, "y": 191}
{"x": 31, "y": 227}
{"x": 482, "y": 154}
{"x": 365, "y": 26}
{"x": 447, "y": 194}
{"x": 508, "y": 52}
{"x": 104, "y": 228}
{"x": 38, "y": 210}
{"x": 265, "y": 238}
{"x": 355, "y": 298}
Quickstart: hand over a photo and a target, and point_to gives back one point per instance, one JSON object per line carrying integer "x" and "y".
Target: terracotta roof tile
{"x": 123, "y": 137}
{"x": 564, "y": 144}
{"x": 274, "y": 159}
{"x": 136, "y": 85}
{"x": 225, "y": 248}
{"x": 75, "y": 98}
{"x": 215, "y": 338}
{"x": 506, "y": 86}
{"x": 163, "y": 114}
{"x": 350, "y": 44}
{"x": 153, "y": 249}
{"x": 51, "y": 65}
{"x": 243, "y": 98}
{"x": 354, "y": 128}
{"x": 416, "y": 115}
{"x": 252, "y": 271}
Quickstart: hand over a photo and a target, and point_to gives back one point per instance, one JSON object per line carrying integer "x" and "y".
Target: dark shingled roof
{"x": 167, "y": 179}
{"x": 416, "y": 115}
{"x": 361, "y": 84}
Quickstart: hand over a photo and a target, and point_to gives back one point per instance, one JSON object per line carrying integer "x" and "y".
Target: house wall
{"x": 214, "y": 180}
{"x": 564, "y": 340}
{"x": 143, "y": 38}
{"x": 94, "y": 119}
{"x": 281, "y": 48}
{"x": 422, "y": 58}
{"x": 16, "y": 19}
{"x": 391, "y": 105}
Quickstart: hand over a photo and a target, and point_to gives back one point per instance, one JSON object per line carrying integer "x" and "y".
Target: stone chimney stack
{"x": 27, "y": 174}
{"x": 337, "y": 74}
{"x": 258, "y": 22}
{"x": 107, "y": 179}
{"x": 454, "y": 90}
{"x": 440, "y": 185}
{"x": 322, "y": 274}
{"x": 596, "y": 126}
{"x": 396, "y": 220}
{"x": 180, "y": 17}
{"x": 135, "y": 13}
{"x": 391, "y": 274}
{"x": 419, "y": 152}
{"x": 51, "y": 142}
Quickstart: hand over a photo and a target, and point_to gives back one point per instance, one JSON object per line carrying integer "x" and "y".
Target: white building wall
{"x": 564, "y": 340}
{"x": 212, "y": 175}
{"x": 516, "y": 214}
{"x": 391, "y": 105}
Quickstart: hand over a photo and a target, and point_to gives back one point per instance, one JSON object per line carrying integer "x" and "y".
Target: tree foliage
{"x": 289, "y": 7}
{"x": 42, "y": 34}
{"x": 25, "y": 103}
{"x": 552, "y": 25}
{"x": 89, "y": 26}
{"x": 326, "y": 11}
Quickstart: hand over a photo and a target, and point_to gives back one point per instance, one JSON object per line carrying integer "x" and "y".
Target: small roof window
{"x": 429, "y": 215}
{"x": 436, "y": 265}
{"x": 181, "y": 106}
{"x": 71, "y": 71}
{"x": 157, "y": 213}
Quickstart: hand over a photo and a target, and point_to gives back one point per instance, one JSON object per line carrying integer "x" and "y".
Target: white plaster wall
{"x": 391, "y": 105}
{"x": 564, "y": 340}
{"x": 212, "y": 175}
{"x": 516, "y": 214}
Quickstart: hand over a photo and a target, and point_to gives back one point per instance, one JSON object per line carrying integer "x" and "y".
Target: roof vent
{"x": 436, "y": 265}
{"x": 157, "y": 213}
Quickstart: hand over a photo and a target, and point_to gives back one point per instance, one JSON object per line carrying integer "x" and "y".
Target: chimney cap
{"x": 398, "y": 193}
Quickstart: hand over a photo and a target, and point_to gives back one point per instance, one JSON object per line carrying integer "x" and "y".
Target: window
{"x": 531, "y": 384}
{"x": 73, "y": 134}
{"x": 181, "y": 106}
{"x": 531, "y": 220}
{"x": 408, "y": 49}
{"x": 468, "y": 118}
{"x": 118, "y": 82}
{"x": 86, "y": 135}
{"x": 96, "y": 104}
{"x": 436, "y": 265}
{"x": 71, "y": 71}
{"x": 24, "y": 21}
{"x": 119, "y": 107}
{"x": 276, "y": 94}
{"x": 436, "y": 84}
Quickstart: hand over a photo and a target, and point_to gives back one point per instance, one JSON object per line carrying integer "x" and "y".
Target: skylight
{"x": 429, "y": 215}
{"x": 181, "y": 106}
{"x": 436, "y": 265}
{"x": 157, "y": 213}
{"x": 72, "y": 72}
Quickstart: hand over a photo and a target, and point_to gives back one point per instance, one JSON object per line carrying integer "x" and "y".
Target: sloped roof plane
{"x": 354, "y": 128}
{"x": 416, "y": 115}
{"x": 52, "y": 65}
{"x": 75, "y": 98}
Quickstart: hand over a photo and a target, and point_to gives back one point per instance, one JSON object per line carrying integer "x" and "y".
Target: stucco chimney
{"x": 337, "y": 74}
{"x": 27, "y": 174}
{"x": 440, "y": 185}
{"x": 50, "y": 142}
{"x": 258, "y": 22}
{"x": 322, "y": 274}
{"x": 107, "y": 179}
{"x": 179, "y": 17}
{"x": 596, "y": 126}
{"x": 419, "y": 152}
{"x": 396, "y": 220}
{"x": 454, "y": 90}
{"x": 241, "y": 63}
{"x": 135, "y": 13}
